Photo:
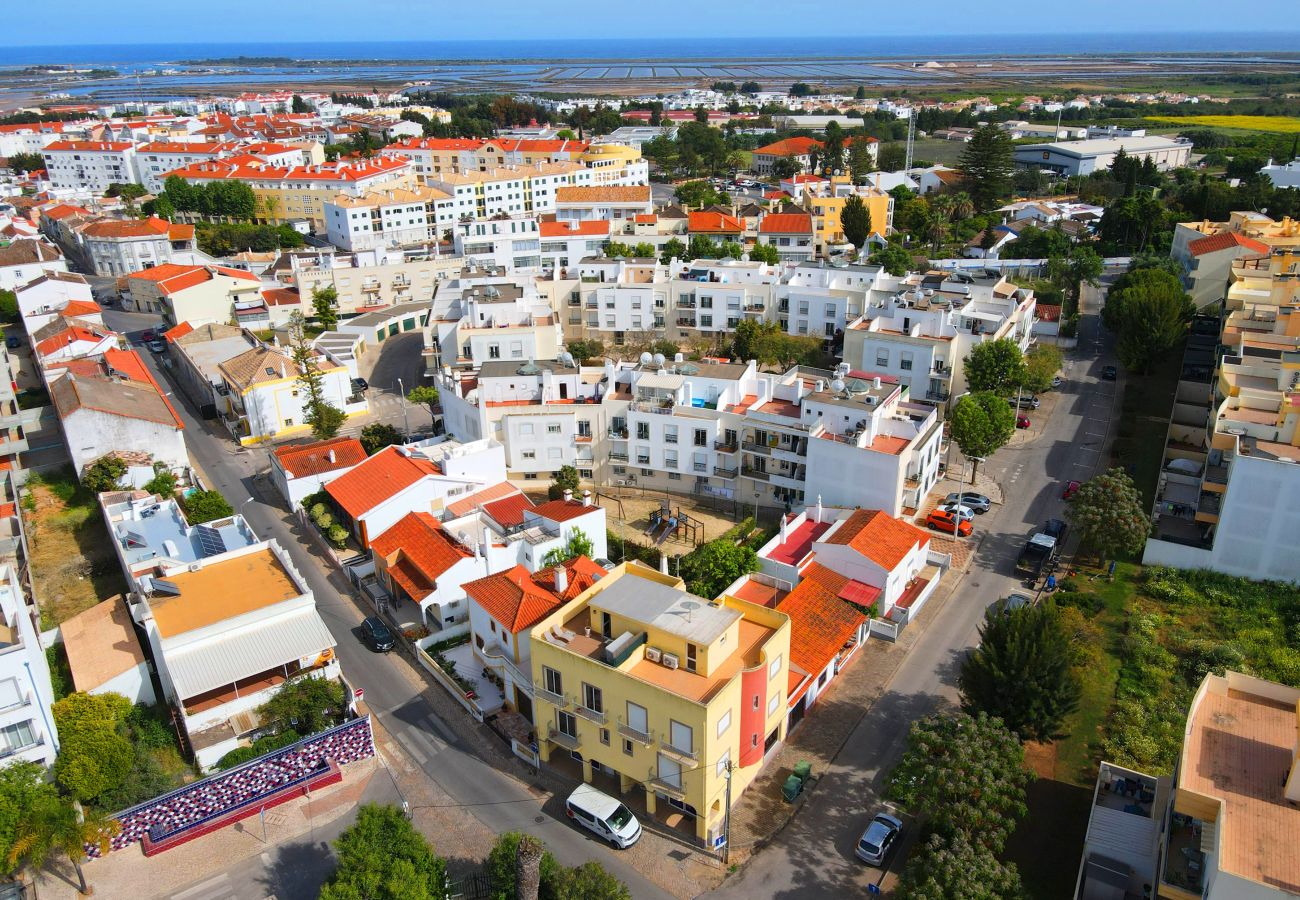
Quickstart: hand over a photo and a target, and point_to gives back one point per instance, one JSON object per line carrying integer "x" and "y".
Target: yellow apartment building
{"x": 827, "y": 203}
{"x": 659, "y": 694}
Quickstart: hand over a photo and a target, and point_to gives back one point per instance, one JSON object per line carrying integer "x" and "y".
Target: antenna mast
{"x": 911, "y": 138}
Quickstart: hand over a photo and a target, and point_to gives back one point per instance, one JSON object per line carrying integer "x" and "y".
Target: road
{"x": 813, "y": 856}
{"x": 498, "y": 801}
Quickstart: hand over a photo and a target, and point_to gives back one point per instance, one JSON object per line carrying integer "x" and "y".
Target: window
{"x": 681, "y": 737}
{"x": 529, "y": 454}
{"x": 585, "y": 474}
{"x": 756, "y": 701}
{"x": 674, "y": 476}
{"x": 593, "y": 698}
{"x": 494, "y": 351}
{"x": 701, "y": 437}
{"x": 604, "y": 736}
{"x": 643, "y": 431}
{"x": 692, "y": 652}
{"x": 774, "y": 669}
{"x": 553, "y": 429}
{"x": 17, "y": 736}
{"x": 829, "y": 311}
{"x": 773, "y": 704}
{"x": 552, "y": 681}
{"x": 670, "y": 459}
{"x": 566, "y": 723}
{"x": 882, "y": 357}
{"x": 670, "y": 434}
{"x": 584, "y": 427}
{"x": 905, "y": 360}
{"x": 620, "y": 470}
{"x": 554, "y": 453}
{"x": 627, "y": 746}
{"x": 526, "y": 428}
{"x": 637, "y": 718}
{"x": 724, "y": 723}
{"x": 821, "y": 682}
{"x": 706, "y": 321}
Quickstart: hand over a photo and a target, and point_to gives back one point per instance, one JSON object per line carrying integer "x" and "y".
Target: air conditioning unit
{"x": 652, "y": 654}
{"x": 671, "y": 661}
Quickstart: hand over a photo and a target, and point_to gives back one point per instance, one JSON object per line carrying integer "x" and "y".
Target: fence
{"x": 185, "y": 813}
{"x": 456, "y": 691}
{"x": 882, "y": 628}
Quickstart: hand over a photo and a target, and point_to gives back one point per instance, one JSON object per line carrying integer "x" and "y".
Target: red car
{"x": 1071, "y": 488}
{"x": 942, "y": 520}
{"x": 148, "y": 336}
{"x": 1022, "y": 421}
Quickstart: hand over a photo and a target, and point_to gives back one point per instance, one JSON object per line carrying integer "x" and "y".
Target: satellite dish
{"x": 837, "y": 385}
{"x": 659, "y": 359}
{"x": 646, "y": 359}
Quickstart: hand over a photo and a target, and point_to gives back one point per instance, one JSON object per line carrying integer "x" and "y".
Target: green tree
{"x": 26, "y": 162}
{"x": 566, "y": 479}
{"x": 425, "y": 395}
{"x": 104, "y": 474}
{"x": 986, "y": 163}
{"x": 710, "y": 568}
{"x": 1084, "y": 266}
{"x": 163, "y": 482}
{"x": 995, "y": 366}
{"x": 1150, "y": 311}
{"x": 751, "y": 87}
{"x": 383, "y": 857}
{"x": 786, "y": 167}
{"x": 893, "y": 258}
{"x": 730, "y": 250}
{"x": 698, "y": 194}
{"x": 617, "y": 250}
{"x": 306, "y": 704}
{"x": 643, "y": 250}
{"x": 8, "y": 306}
{"x": 1022, "y": 673}
{"x": 861, "y": 162}
{"x": 324, "y": 418}
{"x": 702, "y": 248}
{"x": 832, "y": 152}
{"x": 765, "y": 253}
{"x": 183, "y": 195}
{"x": 324, "y": 304}
{"x": 21, "y": 784}
{"x": 855, "y": 220}
{"x": 500, "y": 867}
{"x": 300, "y": 105}
{"x": 1109, "y": 514}
{"x": 52, "y": 827}
{"x": 577, "y": 544}
{"x": 947, "y": 867}
{"x": 672, "y": 249}
{"x": 1041, "y": 365}
{"x": 588, "y": 881}
{"x": 802, "y": 89}
{"x": 585, "y": 348}
{"x": 966, "y": 774}
{"x": 378, "y": 435}
{"x": 981, "y": 423}
{"x": 205, "y": 506}
{"x": 891, "y": 156}
{"x": 94, "y": 757}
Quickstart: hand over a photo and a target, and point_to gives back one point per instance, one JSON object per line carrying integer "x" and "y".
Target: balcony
{"x": 658, "y": 407}
{"x": 686, "y": 756}
{"x": 754, "y": 447}
{"x": 370, "y": 287}
{"x": 701, "y": 467}
{"x": 941, "y": 371}
{"x": 755, "y": 307}
{"x": 550, "y": 696}
{"x": 591, "y": 715}
{"x": 672, "y": 789}
{"x": 747, "y": 472}
{"x": 783, "y": 306}
{"x": 617, "y": 434}
{"x": 724, "y": 472}
{"x": 591, "y": 304}
{"x": 641, "y": 737}
{"x": 725, "y": 446}
{"x": 686, "y": 304}
{"x": 937, "y": 396}
{"x": 568, "y": 741}
{"x": 575, "y": 320}
{"x": 617, "y": 456}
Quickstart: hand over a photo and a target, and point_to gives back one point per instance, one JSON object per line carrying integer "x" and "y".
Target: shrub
{"x": 338, "y": 536}
{"x": 317, "y": 510}
{"x": 324, "y": 522}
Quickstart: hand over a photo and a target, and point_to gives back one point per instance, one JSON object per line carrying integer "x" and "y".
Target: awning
{"x": 225, "y": 659}
{"x": 859, "y": 593}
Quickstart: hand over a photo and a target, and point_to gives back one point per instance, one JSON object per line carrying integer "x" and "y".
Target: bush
{"x": 338, "y": 536}
{"x": 324, "y": 521}
{"x": 60, "y": 674}
{"x": 205, "y": 506}
{"x": 104, "y": 474}
{"x": 259, "y": 747}
{"x": 317, "y": 510}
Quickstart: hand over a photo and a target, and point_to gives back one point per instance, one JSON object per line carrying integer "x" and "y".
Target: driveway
{"x": 813, "y": 856}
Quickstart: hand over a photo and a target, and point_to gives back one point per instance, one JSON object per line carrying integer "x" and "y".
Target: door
{"x": 670, "y": 772}
{"x": 564, "y": 391}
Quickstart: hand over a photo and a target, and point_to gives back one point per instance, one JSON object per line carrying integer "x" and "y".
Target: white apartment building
{"x": 509, "y": 190}
{"x": 393, "y": 218}
{"x": 154, "y": 160}
{"x": 90, "y": 165}
{"x": 27, "y": 730}
{"x": 564, "y": 244}
{"x": 512, "y": 242}
{"x": 922, "y": 333}
{"x": 617, "y": 204}
{"x": 365, "y": 279}
{"x": 819, "y": 300}
{"x": 499, "y": 320}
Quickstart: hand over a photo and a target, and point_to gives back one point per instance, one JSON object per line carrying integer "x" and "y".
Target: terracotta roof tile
{"x": 418, "y": 551}
{"x": 314, "y": 458}
{"x": 509, "y": 511}
{"x": 466, "y": 504}
{"x": 786, "y": 223}
{"x": 879, "y": 537}
{"x": 795, "y": 146}
{"x": 563, "y": 510}
{"x": 587, "y": 228}
{"x": 820, "y": 625}
{"x": 384, "y": 475}
{"x": 1225, "y": 240}
{"x": 518, "y": 599}
{"x": 603, "y": 194}
{"x": 713, "y": 223}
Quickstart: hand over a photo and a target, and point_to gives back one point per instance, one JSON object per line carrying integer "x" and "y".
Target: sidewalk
{"x": 761, "y": 812}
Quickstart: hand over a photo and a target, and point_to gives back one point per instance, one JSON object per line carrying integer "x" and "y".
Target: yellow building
{"x": 826, "y": 202}
{"x": 659, "y": 694}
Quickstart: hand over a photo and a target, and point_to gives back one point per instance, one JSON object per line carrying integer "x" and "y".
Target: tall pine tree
{"x": 986, "y": 165}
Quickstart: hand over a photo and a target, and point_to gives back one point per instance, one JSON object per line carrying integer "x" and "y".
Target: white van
{"x": 604, "y": 815}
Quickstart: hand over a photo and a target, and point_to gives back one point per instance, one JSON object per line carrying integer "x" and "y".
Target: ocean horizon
{"x": 877, "y": 47}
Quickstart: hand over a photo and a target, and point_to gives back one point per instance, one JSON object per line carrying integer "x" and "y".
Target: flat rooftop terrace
{"x": 222, "y": 590}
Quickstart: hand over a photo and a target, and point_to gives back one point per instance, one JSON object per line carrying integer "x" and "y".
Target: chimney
{"x": 819, "y": 507}
{"x": 588, "y": 499}
{"x": 568, "y": 495}
{"x": 283, "y": 372}
{"x": 663, "y": 563}
{"x": 785, "y": 529}
{"x": 561, "y": 580}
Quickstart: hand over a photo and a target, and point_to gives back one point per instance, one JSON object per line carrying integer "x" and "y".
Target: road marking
{"x": 426, "y": 740}
{"x": 439, "y": 729}
{"x": 204, "y": 886}
{"x": 414, "y": 752}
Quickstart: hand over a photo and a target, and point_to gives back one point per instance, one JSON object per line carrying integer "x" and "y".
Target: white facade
{"x": 19, "y": 268}
{"x": 1088, "y": 156}
{"x": 91, "y": 433}
{"x": 27, "y": 730}
{"x": 90, "y": 165}
{"x": 513, "y": 243}
{"x": 1283, "y": 175}
{"x": 41, "y": 299}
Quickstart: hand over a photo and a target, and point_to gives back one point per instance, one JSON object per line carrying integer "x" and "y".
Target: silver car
{"x": 978, "y": 502}
{"x": 963, "y": 513}
{"x": 876, "y": 841}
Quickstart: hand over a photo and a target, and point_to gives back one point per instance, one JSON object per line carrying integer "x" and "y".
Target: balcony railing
{"x": 568, "y": 741}
{"x": 618, "y": 456}
{"x": 667, "y": 787}
{"x": 725, "y": 446}
{"x": 550, "y": 696}
{"x": 591, "y": 715}
{"x": 658, "y": 407}
{"x": 755, "y": 474}
{"x": 632, "y": 734}
{"x": 617, "y": 434}
{"x": 724, "y": 472}
{"x": 684, "y": 755}
{"x": 754, "y": 447}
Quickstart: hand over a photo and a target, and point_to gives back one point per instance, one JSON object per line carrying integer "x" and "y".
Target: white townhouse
{"x": 90, "y": 165}
{"x": 27, "y": 730}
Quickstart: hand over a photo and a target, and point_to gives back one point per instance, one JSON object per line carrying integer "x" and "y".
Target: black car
{"x": 360, "y": 385}
{"x": 378, "y": 635}
{"x": 1109, "y": 373}
{"x": 12, "y": 342}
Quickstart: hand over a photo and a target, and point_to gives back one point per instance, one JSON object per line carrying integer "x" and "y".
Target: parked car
{"x": 13, "y": 342}
{"x": 1029, "y": 402}
{"x": 148, "y": 335}
{"x": 1071, "y": 488}
{"x": 965, "y": 513}
{"x": 878, "y": 839}
{"x": 942, "y": 520}
{"x": 1011, "y": 602}
{"x": 1109, "y": 373}
{"x": 157, "y": 347}
{"x": 360, "y": 385}
{"x": 1057, "y": 381}
{"x": 977, "y": 502}
{"x": 1022, "y": 421}
{"x": 601, "y": 813}
{"x": 378, "y": 635}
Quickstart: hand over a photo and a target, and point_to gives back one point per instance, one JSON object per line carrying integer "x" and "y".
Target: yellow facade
{"x": 719, "y": 708}
{"x": 826, "y": 211}
{"x": 276, "y": 204}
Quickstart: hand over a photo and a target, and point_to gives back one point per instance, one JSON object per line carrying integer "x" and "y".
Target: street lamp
{"x": 406, "y": 425}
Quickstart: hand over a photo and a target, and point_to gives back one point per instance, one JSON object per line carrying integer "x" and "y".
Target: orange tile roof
{"x": 384, "y": 475}
{"x": 63, "y": 211}
{"x": 820, "y": 625}
{"x": 172, "y": 278}
{"x": 879, "y": 537}
{"x": 587, "y": 228}
{"x": 418, "y": 550}
{"x": 795, "y": 146}
{"x": 495, "y": 492}
{"x": 829, "y": 579}
{"x": 509, "y": 511}
{"x": 282, "y": 297}
{"x": 713, "y": 222}
{"x": 563, "y": 510}
{"x": 69, "y": 335}
{"x": 128, "y": 228}
{"x": 437, "y": 144}
{"x": 645, "y": 218}
{"x": 786, "y": 223}
{"x": 90, "y": 146}
{"x": 171, "y": 334}
{"x": 1225, "y": 240}
{"x": 314, "y": 458}
{"x": 518, "y": 599}
{"x": 604, "y": 194}
{"x": 80, "y": 308}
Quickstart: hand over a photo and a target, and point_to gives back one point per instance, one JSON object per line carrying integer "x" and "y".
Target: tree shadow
{"x": 297, "y": 870}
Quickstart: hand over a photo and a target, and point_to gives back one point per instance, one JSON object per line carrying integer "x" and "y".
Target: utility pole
{"x": 726, "y": 820}
{"x": 911, "y": 137}
{"x": 406, "y": 425}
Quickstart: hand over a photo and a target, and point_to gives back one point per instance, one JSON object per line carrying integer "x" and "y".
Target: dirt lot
{"x": 73, "y": 565}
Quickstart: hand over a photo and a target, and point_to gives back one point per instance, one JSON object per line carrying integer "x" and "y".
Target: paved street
{"x": 498, "y": 801}
{"x": 813, "y": 856}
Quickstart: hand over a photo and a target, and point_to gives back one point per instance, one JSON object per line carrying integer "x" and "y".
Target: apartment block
{"x": 393, "y": 218}
{"x": 510, "y": 190}
{"x": 661, "y": 697}
{"x": 90, "y": 166}
{"x": 365, "y": 280}
{"x": 27, "y": 730}
{"x": 1207, "y": 250}
{"x": 512, "y": 242}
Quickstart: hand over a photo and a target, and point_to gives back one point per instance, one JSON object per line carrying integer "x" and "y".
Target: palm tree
{"x": 963, "y": 207}
{"x": 51, "y": 826}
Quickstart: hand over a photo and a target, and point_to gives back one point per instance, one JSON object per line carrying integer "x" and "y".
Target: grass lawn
{"x": 1144, "y": 422}
{"x": 73, "y": 565}
{"x": 946, "y": 153}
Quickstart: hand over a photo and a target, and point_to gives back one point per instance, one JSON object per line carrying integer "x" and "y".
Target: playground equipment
{"x": 666, "y": 522}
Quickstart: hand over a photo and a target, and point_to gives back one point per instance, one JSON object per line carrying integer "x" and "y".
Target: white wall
{"x": 90, "y": 434}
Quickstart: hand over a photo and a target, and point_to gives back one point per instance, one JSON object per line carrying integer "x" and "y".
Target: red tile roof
{"x": 1048, "y": 312}
{"x": 384, "y": 475}
{"x": 1225, "y": 240}
{"x": 509, "y": 511}
{"x": 127, "y": 228}
{"x": 314, "y": 459}
{"x": 418, "y": 550}
{"x": 171, "y": 334}
{"x": 701, "y": 222}
{"x": 172, "y": 278}
{"x": 820, "y": 625}
{"x": 80, "y": 308}
{"x": 795, "y": 146}
{"x": 786, "y": 223}
{"x": 495, "y": 492}
{"x": 587, "y": 228}
{"x": 563, "y": 510}
{"x": 70, "y": 335}
{"x": 518, "y": 599}
{"x": 90, "y": 146}
{"x": 879, "y": 537}
{"x": 798, "y": 542}
{"x": 437, "y": 144}
{"x": 612, "y": 193}
{"x": 282, "y": 297}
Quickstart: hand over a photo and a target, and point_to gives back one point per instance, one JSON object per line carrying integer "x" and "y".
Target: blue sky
{"x": 256, "y": 21}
